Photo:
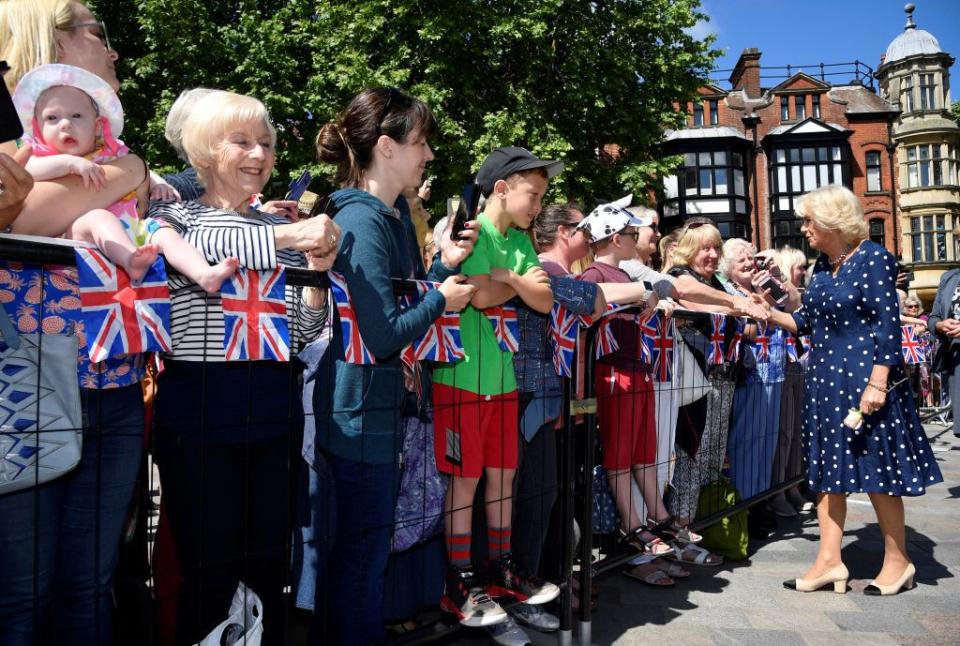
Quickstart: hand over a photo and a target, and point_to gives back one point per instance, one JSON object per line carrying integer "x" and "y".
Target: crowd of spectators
{"x": 261, "y": 459}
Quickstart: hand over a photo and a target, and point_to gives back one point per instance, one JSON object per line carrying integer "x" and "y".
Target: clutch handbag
{"x": 40, "y": 417}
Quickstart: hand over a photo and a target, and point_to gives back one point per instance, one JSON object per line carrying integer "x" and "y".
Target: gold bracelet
{"x": 882, "y": 389}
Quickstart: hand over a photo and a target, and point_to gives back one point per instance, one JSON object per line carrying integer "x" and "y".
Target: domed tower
{"x": 915, "y": 75}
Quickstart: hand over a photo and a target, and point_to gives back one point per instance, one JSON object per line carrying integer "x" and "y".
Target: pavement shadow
{"x": 864, "y": 556}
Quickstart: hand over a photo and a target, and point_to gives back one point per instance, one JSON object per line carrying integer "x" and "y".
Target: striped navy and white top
{"x": 196, "y": 318}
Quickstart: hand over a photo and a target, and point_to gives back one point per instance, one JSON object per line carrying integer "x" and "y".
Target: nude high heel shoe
{"x": 905, "y": 582}
{"x": 837, "y": 576}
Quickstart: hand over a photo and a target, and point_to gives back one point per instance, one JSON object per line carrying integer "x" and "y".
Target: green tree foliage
{"x": 955, "y": 111}
{"x": 564, "y": 78}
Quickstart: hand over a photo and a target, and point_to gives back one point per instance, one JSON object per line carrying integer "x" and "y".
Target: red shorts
{"x": 474, "y": 431}
{"x": 627, "y": 411}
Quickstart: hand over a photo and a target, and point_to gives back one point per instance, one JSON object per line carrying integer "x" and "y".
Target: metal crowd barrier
{"x": 575, "y": 449}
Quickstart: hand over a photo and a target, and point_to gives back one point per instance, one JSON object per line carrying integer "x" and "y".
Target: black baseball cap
{"x": 504, "y": 162}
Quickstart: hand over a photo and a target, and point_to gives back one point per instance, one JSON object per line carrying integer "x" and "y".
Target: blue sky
{"x": 803, "y": 32}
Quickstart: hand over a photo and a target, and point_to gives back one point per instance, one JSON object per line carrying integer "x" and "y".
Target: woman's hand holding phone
{"x": 454, "y": 252}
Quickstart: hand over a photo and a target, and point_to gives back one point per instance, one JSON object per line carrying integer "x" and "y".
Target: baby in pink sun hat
{"x": 72, "y": 119}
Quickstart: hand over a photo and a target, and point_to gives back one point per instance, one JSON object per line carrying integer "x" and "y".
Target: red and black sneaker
{"x": 464, "y": 598}
{"x": 507, "y": 579}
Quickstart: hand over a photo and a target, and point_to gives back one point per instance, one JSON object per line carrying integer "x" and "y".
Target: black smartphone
{"x": 466, "y": 211}
{"x": 299, "y": 186}
{"x": 10, "y": 126}
{"x": 323, "y": 205}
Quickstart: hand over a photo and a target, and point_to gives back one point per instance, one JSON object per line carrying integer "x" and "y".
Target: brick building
{"x": 750, "y": 151}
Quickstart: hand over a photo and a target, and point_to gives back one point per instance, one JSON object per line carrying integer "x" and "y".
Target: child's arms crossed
{"x": 51, "y": 167}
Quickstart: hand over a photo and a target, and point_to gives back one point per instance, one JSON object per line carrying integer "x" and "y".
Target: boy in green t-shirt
{"x": 475, "y": 400}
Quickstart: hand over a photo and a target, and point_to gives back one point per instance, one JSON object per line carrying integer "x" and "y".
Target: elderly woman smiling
{"x": 878, "y": 447}
{"x": 226, "y": 432}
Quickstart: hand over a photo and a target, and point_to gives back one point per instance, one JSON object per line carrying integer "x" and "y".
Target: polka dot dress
{"x": 854, "y": 322}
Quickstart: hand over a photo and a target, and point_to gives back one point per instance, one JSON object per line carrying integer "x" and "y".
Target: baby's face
{"x": 68, "y": 120}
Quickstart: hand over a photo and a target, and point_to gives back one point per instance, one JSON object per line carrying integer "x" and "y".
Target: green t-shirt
{"x": 485, "y": 369}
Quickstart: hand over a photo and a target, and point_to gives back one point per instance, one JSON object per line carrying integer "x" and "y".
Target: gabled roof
{"x": 808, "y": 126}
{"x": 711, "y": 90}
{"x": 860, "y": 100}
{"x": 800, "y": 81}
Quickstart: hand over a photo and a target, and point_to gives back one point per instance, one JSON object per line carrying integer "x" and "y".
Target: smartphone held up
{"x": 466, "y": 210}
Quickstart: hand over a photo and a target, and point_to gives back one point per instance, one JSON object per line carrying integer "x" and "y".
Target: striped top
{"x": 196, "y": 318}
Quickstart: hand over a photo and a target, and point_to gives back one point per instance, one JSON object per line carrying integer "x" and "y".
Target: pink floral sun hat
{"x": 42, "y": 78}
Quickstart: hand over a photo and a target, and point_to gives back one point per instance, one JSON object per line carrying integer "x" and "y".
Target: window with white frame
{"x": 929, "y": 237}
{"x": 800, "y": 107}
{"x": 873, "y": 170}
{"x": 697, "y": 113}
{"x": 931, "y": 165}
{"x": 816, "y": 106}
{"x": 928, "y": 92}
{"x": 796, "y": 170}
{"x": 906, "y": 93}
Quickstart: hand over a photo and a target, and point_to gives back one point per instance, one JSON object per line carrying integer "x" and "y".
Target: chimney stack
{"x": 746, "y": 73}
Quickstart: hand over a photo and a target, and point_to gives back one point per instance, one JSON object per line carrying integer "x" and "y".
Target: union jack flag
{"x": 733, "y": 350}
{"x": 506, "y": 326}
{"x": 606, "y": 342}
{"x": 564, "y": 326}
{"x": 354, "y": 349}
{"x": 441, "y": 342}
{"x": 806, "y": 343}
{"x": 791, "y": 345}
{"x": 912, "y": 352}
{"x": 649, "y": 330}
{"x": 255, "y": 316}
{"x": 762, "y": 343}
{"x": 718, "y": 324}
{"x": 663, "y": 351}
{"x": 119, "y": 317}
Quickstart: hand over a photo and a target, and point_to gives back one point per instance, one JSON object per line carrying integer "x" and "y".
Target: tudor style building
{"x": 750, "y": 151}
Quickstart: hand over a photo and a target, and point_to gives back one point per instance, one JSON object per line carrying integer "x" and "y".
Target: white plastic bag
{"x": 244, "y": 623}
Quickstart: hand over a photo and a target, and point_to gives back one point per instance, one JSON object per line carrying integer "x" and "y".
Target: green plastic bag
{"x": 727, "y": 537}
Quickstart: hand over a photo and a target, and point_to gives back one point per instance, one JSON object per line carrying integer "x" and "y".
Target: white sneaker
{"x": 535, "y": 617}
{"x": 509, "y": 633}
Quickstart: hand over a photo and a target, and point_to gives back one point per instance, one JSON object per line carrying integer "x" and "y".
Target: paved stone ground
{"x": 745, "y": 603}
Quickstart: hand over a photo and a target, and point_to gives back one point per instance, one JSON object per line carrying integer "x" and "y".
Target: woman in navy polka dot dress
{"x": 862, "y": 433}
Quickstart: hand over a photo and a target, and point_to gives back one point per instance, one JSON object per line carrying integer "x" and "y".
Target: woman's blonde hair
{"x": 835, "y": 208}
{"x": 28, "y": 33}
{"x": 787, "y": 258}
{"x": 179, "y": 111}
{"x": 664, "y": 247}
{"x": 209, "y": 121}
{"x": 731, "y": 248}
{"x": 690, "y": 241}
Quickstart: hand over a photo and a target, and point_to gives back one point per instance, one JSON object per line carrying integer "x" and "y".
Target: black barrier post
{"x": 587, "y": 407}
{"x": 567, "y": 539}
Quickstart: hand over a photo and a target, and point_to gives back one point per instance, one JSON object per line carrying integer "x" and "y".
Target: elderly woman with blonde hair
{"x": 701, "y": 438}
{"x": 227, "y": 431}
{"x": 754, "y": 427}
{"x": 861, "y": 430}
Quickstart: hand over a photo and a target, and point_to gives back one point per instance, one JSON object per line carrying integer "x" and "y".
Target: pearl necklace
{"x": 835, "y": 264}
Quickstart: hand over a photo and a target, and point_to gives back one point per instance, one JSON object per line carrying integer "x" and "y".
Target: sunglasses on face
{"x": 97, "y": 28}
{"x": 391, "y": 93}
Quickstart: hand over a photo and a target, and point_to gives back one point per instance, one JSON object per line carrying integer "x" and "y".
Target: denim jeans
{"x": 351, "y": 611}
{"x": 59, "y": 541}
